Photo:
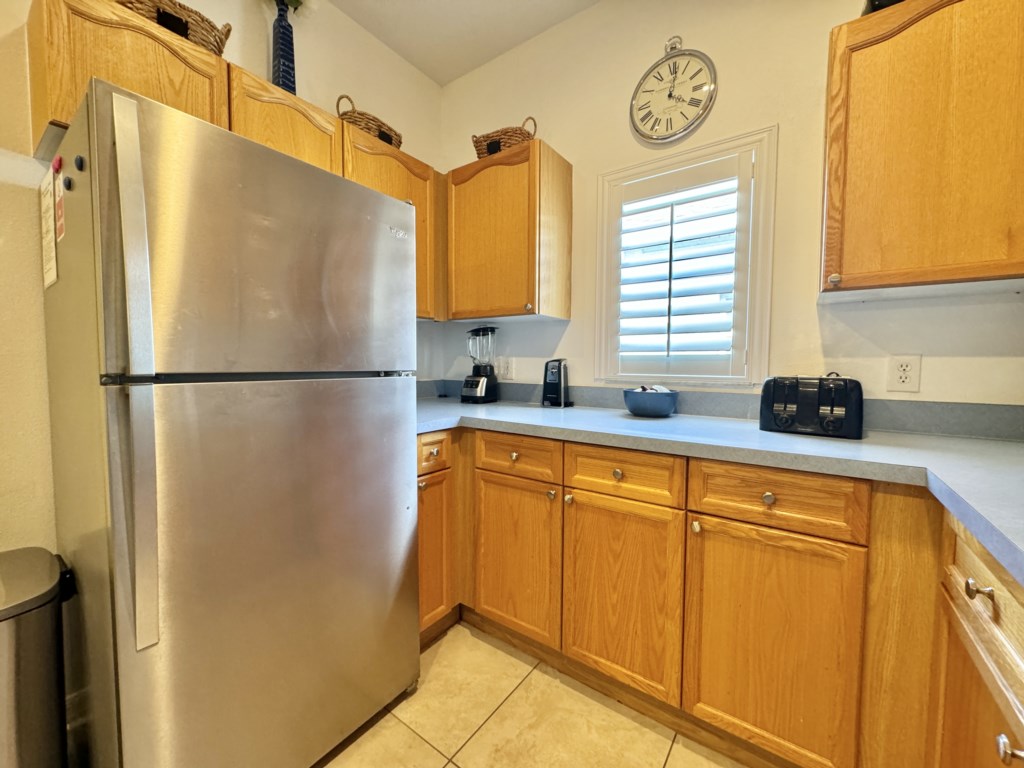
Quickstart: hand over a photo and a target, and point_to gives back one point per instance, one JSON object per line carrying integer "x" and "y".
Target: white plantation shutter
{"x": 680, "y": 245}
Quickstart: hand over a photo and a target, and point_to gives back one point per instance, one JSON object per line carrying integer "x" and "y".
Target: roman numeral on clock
{"x": 696, "y": 73}
{"x": 700, "y": 87}
{"x": 646, "y": 117}
{"x": 673, "y": 67}
{"x": 659, "y": 77}
{"x": 655, "y": 124}
{"x": 645, "y": 105}
{"x": 668, "y": 124}
{"x": 694, "y": 102}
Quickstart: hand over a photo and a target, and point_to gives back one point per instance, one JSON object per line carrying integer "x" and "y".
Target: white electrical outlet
{"x": 903, "y": 374}
{"x": 505, "y": 368}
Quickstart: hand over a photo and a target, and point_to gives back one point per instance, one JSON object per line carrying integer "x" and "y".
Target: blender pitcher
{"x": 481, "y": 386}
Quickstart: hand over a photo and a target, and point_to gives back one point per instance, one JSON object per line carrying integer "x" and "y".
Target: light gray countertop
{"x": 980, "y": 481}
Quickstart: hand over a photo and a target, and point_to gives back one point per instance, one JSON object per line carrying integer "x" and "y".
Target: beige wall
{"x": 576, "y": 80}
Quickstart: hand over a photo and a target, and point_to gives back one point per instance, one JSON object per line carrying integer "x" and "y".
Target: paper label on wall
{"x": 58, "y": 205}
{"x": 49, "y": 240}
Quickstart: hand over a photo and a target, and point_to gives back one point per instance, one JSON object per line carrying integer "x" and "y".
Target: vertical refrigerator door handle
{"x": 143, "y": 505}
{"x": 134, "y": 236}
{"x": 139, "y": 306}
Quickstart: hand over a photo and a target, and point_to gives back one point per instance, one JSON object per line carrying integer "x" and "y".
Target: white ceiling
{"x": 445, "y": 39}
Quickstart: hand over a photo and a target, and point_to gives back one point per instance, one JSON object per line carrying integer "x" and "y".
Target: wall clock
{"x": 674, "y": 96}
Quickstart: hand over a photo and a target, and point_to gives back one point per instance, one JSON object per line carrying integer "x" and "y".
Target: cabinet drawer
{"x": 434, "y": 450}
{"x": 803, "y": 502}
{"x": 1000, "y": 607}
{"x": 535, "y": 458}
{"x": 650, "y": 477}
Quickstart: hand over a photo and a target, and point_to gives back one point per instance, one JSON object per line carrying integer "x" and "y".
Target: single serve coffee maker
{"x": 481, "y": 386}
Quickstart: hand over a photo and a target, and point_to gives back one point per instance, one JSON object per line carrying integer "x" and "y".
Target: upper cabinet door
{"x": 925, "y": 140}
{"x": 377, "y": 165}
{"x": 71, "y": 41}
{"x": 275, "y": 118}
{"x": 510, "y": 234}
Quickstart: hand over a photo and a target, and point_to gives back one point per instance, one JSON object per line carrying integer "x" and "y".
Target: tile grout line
{"x": 670, "y": 747}
{"x": 500, "y": 705}
{"x": 420, "y": 737}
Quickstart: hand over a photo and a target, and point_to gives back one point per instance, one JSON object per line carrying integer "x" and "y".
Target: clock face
{"x": 673, "y": 97}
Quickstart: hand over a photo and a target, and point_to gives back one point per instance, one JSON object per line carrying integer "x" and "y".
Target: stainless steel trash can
{"x": 32, "y": 730}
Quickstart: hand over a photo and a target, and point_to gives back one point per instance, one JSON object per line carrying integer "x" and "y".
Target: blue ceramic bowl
{"x": 651, "y": 404}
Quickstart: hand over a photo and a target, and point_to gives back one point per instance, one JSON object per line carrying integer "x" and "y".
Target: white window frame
{"x": 617, "y": 187}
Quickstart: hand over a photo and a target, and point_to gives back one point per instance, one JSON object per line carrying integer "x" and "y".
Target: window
{"x": 687, "y": 243}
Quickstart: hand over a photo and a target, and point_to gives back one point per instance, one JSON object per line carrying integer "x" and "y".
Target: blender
{"x": 481, "y": 386}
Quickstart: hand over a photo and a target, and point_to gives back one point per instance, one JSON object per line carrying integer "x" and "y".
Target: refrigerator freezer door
{"x": 258, "y": 262}
{"x": 287, "y": 593}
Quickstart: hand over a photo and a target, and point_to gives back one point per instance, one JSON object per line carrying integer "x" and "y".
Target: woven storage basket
{"x": 495, "y": 141}
{"x": 182, "y": 20}
{"x": 372, "y": 124}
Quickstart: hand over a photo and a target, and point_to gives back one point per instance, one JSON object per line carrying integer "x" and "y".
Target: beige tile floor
{"x": 483, "y": 704}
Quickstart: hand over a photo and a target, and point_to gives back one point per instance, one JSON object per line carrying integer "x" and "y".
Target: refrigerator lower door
{"x": 285, "y": 569}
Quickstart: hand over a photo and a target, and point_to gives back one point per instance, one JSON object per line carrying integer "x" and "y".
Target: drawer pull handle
{"x": 421, "y": 485}
{"x": 1006, "y": 752}
{"x": 435, "y": 451}
{"x": 768, "y": 498}
{"x": 568, "y": 498}
{"x": 972, "y": 590}
{"x": 695, "y": 526}
{"x": 514, "y": 455}
{"x": 551, "y": 495}
{"x": 617, "y": 473}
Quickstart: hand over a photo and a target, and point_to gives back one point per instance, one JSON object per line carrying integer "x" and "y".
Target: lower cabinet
{"x": 435, "y": 560}
{"x": 971, "y": 720}
{"x": 772, "y": 638}
{"x": 623, "y": 590}
{"x": 519, "y": 554}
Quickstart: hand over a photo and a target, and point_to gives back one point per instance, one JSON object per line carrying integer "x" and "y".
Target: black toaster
{"x": 831, "y": 405}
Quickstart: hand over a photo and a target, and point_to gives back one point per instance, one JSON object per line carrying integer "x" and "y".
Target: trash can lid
{"x": 29, "y": 577}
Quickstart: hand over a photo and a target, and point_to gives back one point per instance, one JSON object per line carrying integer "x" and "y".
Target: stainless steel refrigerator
{"x": 231, "y": 345}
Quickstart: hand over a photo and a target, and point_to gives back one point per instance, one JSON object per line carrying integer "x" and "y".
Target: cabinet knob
{"x": 435, "y": 451}
{"x": 972, "y": 590}
{"x": 617, "y": 473}
{"x": 835, "y": 279}
{"x": 528, "y": 307}
{"x": 551, "y": 495}
{"x": 1006, "y": 751}
{"x": 695, "y": 526}
{"x": 421, "y": 485}
{"x": 514, "y": 455}
{"x": 568, "y": 498}
{"x": 768, "y": 498}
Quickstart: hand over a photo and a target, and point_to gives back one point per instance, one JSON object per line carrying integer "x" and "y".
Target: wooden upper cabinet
{"x": 773, "y": 631}
{"x": 280, "y": 120}
{"x": 71, "y": 41}
{"x": 378, "y": 165}
{"x": 925, "y": 139}
{"x": 510, "y": 234}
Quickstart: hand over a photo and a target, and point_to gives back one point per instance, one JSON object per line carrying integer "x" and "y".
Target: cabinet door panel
{"x": 93, "y": 38}
{"x": 519, "y": 555}
{"x": 971, "y": 717}
{"x": 279, "y": 120}
{"x": 920, "y": 183}
{"x": 623, "y": 594}
{"x": 435, "y": 556}
{"x": 772, "y": 642}
{"x": 492, "y": 236}
{"x": 377, "y": 165}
